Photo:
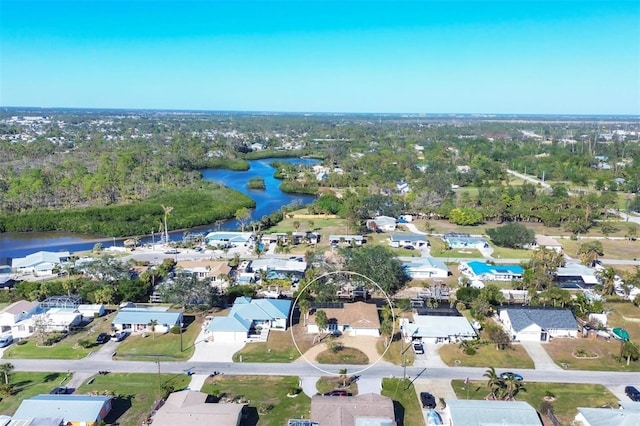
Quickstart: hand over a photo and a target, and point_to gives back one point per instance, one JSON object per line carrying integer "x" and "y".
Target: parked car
{"x": 62, "y": 390}
{"x": 102, "y": 338}
{"x": 409, "y": 247}
{"x": 427, "y": 400}
{"x": 338, "y": 392}
{"x": 506, "y": 374}
{"x": 171, "y": 251}
{"x": 120, "y": 336}
{"x": 633, "y": 393}
{"x": 6, "y": 340}
{"x": 418, "y": 348}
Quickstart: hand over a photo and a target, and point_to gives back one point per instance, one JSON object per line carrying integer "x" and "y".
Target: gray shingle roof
{"x": 547, "y": 319}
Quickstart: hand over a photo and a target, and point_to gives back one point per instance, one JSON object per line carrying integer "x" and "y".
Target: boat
{"x": 620, "y": 333}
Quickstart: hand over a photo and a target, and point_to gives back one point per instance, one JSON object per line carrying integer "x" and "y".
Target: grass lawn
{"x": 27, "y": 385}
{"x": 278, "y": 348}
{"x": 486, "y": 355}
{"x": 267, "y": 396}
{"x": 613, "y": 249}
{"x": 134, "y": 393}
{"x": 326, "y": 384}
{"x": 345, "y": 355}
{"x": 622, "y": 314}
{"x": 405, "y": 401}
{"x": 568, "y": 397}
{"x": 562, "y": 350}
{"x": 67, "y": 348}
{"x": 509, "y": 253}
{"x": 398, "y": 352}
{"x": 136, "y": 347}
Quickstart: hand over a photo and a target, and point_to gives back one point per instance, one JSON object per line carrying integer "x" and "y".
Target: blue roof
{"x": 73, "y": 408}
{"x": 233, "y": 322}
{"x": 408, "y": 237}
{"x": 144, "y": 316}
{"x": 425, "y": 262}
{"x": 480, "y": 268}
{"x": 262, "y": 309}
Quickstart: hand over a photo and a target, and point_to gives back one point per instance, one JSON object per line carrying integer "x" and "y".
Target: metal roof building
{"x": 468, "y": 412}
{"x": 72, "y": 408}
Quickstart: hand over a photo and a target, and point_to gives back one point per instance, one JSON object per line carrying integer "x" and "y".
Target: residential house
{"x": 90, "y": 311}
{"x": 56, "y": 320}
{"x": 16, "y": 319}
{"x": 426, "y": 267}
{"x": 437, "y": 329}
{"x": 483, "y": 271}
{"x": 369, "y": 409}
{"x": 249, "y": 316}
{"x": 40, "y": 263}
{"x": 215, "y": 272}
{"x": 193, "y": 408}
{"x": 575, "y": 275}
{"x": 355, "y": 319}
{"x": 347, "y": 240}
{"x": 403, "y": 187}
{"x": 279, "y": 269}
{"x": 627, "y": 415}
{"x": 549, "y": 243}
{"x": 382, "y": 223}
{"x": 480, "y": 412}
{"x": 137, "y": 320}
{"x": 220, "y": 238}
{"x": 401, "y": 240}
{"x": 538, "y": 325}
{"x": 75, "y": 410}
{"x": 461, "y": 240}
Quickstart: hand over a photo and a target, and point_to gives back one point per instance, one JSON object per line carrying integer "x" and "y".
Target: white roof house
{"x": 42, "y": 262}
{"x": 607, "y": 417}
{"x": 415, "y": 240}
{"x": 57, "y": 319}
{"x": 426, "y": 267}
{"x": 550, "y": 243}
{"x": 222, "y": 238}
{"x": 384, "y": 223}
{"x": 469, "y": 412}
{"x": 575, "y": 275}
{"x": 138, "y": 319}
{"x": 16, "y": 318}
{"x": 190, "y": 408}
{"x": 437, "y": 329}
{"x": 91, "y": 310}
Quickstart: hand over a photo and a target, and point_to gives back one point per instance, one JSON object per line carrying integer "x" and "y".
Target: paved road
{"x": 606, "y": 378}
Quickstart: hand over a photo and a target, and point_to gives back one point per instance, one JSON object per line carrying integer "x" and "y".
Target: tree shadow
{"x": 119, "y": 405}
{"x": 398, "y": 411}
{"x": 51, "y": 377}
{"x": 249, "y": 416}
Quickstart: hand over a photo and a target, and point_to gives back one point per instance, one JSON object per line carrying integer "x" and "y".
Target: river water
{"x": 20, "y": 244}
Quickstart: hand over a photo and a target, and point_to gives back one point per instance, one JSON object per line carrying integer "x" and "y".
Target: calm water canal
{"x": 14, "y": 244}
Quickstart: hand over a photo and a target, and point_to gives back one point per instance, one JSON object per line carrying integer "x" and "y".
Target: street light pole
{"x": 181, "y": 348}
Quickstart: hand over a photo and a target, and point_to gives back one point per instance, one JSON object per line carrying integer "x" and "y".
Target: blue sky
{"x": 508, "y": 56}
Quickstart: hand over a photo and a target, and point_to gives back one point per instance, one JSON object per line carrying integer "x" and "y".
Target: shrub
{"x": 175, "y": 329}
{"x": 22, "y": 342}
{"x": 294, "y": 391}
{"x": 470, "y": 350}
{"x": 85, "y": 343}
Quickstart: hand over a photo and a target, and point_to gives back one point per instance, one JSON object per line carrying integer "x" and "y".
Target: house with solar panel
{"x": 483, "y": 271}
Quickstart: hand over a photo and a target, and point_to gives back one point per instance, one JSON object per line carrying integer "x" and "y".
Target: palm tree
{"x": 6, "y": 369}
{"x": 512, "y": 387}
{"x": 321, "y": 320}
{"x": 629, "y": 351}
{"x": 608, "y": 278}
{"x": 167, "y": 210}
{"x": 494, "y": 382}
{"x": 152, "y": 324}
{"x": 305, "y": 307}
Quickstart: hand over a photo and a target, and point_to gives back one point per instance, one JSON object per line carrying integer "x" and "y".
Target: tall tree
{"x": 321, "y": 320}
{"x": 6, "y": 369}
{"x": 590, "y": 252}
{"x": 167, "y": 210}
{"x": 153, "y": 324}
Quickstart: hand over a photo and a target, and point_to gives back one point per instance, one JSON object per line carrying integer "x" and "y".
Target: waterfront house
{"x": 40, "y": 263}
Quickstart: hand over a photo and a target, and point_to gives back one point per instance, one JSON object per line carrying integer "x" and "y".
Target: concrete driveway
{"x": 540, "y": 357}
{"x": 207, "y": 351}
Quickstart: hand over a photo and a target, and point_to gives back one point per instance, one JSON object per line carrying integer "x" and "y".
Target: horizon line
{"x": 276, "y": 112}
